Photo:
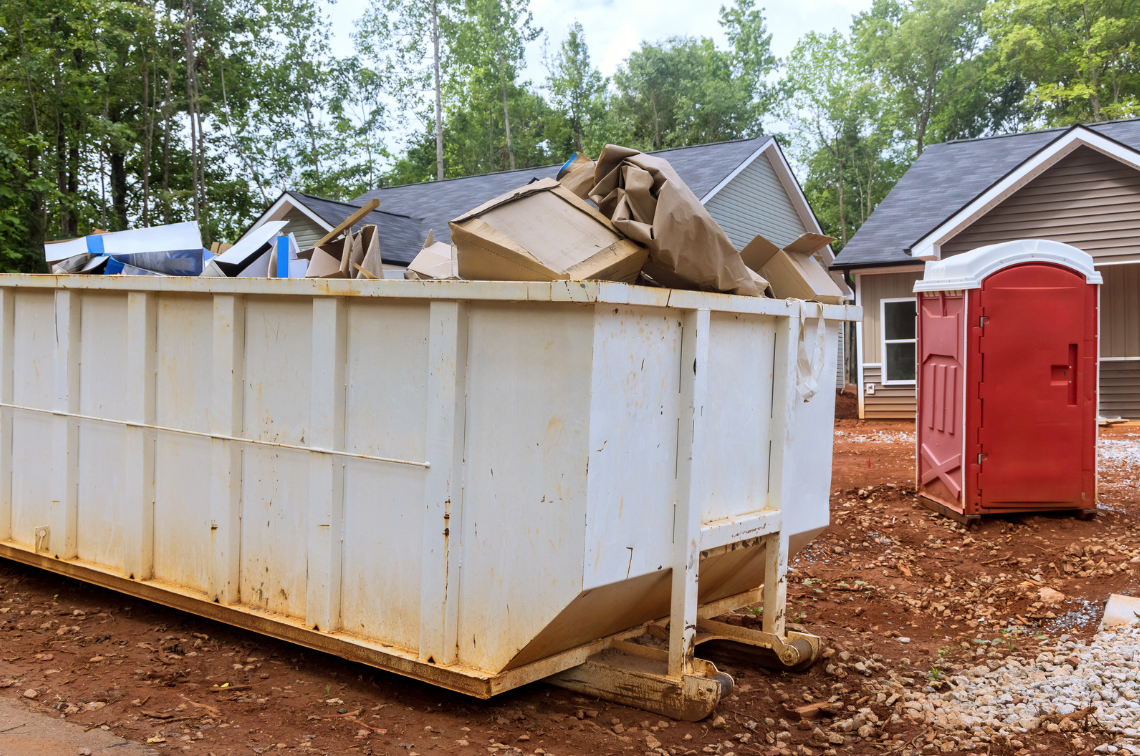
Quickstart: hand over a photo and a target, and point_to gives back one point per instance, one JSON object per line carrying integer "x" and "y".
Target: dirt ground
{"x": 898, "y": 593}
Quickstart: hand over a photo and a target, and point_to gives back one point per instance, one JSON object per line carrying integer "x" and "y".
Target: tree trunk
{"x": 312, "y": 138}
{"x": 438, "y": 93}
{"x": 506, "y": 115}
{"x": 188, "y": 41}
{"x": 842, "y": 212}
{"x": 118, "y": 190}
{"x": 146, "y": 113}
{"x": 166, "y": 209}
{"x": 72, "y": 228}
{"x": 237, "y": 144}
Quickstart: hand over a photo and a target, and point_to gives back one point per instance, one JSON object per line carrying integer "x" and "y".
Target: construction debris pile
{"x": 626, "y": 217}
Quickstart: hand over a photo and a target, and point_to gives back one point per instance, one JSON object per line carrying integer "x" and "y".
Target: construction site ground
{"x": 901, "y": 597}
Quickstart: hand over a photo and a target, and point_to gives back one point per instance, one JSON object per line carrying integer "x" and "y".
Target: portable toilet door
{"x": 1007, "y": 380}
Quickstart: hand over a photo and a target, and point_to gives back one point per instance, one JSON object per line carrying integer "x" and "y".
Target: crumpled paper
{"x": 643, "y": 196}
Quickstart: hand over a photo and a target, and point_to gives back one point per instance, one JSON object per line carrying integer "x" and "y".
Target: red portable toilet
{"x": 1007, "y": 380}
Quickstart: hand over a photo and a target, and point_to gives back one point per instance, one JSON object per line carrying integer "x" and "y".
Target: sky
{"x": 614, "y": 28}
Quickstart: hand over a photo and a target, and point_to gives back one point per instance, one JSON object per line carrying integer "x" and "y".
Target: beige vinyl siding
{"x": 873, "y": 289}
{"x": 305, "y": 230}
{"x": 1120, "y": 389}
{"x": 755, "y": 202}
{"x": 1120, "y": 310}
{"x": 1087, "y": 199}
{"x": 888, "y": 402}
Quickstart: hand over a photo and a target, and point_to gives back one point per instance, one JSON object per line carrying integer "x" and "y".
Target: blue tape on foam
{"x": 95, "y": 244}
{"x": 282, "y": 256}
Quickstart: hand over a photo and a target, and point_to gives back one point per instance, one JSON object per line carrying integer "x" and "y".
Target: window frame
{"x": 883, "y": 341}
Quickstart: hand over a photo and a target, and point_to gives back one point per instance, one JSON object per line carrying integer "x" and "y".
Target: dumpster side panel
{"x": 385, "y": 410}
{"x": 182, "y": 487}
{"x": 103, "y": 507}
{"x": 275, "y": 482}
{"x": 31, "y": 432}
{"x": 741, "y": 354}
{"x": 633, "y": 443}
{"x": 806, "y": 504}
{"x": 526, "y": 449}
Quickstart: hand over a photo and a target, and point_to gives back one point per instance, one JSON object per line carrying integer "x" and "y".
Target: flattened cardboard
{"x": 372, "y": 266}
{"x": 793, "y": 271}
{"x": 543, "y": 232}
{"x": 648, "y": 202}
{"x": 323, "y": 265}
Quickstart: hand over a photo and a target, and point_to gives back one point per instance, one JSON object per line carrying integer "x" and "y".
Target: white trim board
{"x": 736, "y": 171}
{"x": 859, "y": 348}
{"x": 856, "y": 272}
{"x": 929, "y": 247}
{"x": 280, "y": 208}
{"x": 883, "y": 340}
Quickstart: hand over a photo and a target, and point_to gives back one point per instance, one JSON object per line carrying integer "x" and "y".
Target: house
{"x": 746, "y": 185}
{"x": 1078, "y": 185}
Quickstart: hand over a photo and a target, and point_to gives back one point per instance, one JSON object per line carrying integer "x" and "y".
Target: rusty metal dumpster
{"x": 475, "y": 484}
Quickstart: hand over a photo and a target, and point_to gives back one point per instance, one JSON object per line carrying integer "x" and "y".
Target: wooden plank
{"x": 349, "y": 222}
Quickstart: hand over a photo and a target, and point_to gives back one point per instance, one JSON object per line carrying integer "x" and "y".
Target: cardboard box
{"x": 793, "y": 271}
{"x": 543, "y": 232}
{"x": 435, "y": 262}
{"x": 340, "y": 258}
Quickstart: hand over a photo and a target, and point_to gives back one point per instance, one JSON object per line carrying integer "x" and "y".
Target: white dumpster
{"x": 476, "y": 484}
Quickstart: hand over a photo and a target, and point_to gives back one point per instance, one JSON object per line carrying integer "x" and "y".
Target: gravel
{"x": 1055, "y": 692}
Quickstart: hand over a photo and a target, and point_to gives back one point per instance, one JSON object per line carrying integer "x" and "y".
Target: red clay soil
{"x": 887, "y": 569}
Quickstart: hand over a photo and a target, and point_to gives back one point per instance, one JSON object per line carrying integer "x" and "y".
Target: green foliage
{"x": 125, "y": 113}
{"x": 1080, "y": 55}
{"x": 844, "y": 132}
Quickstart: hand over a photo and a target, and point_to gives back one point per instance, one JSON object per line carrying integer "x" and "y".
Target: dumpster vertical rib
{"x": 443, "y": 494}
{"x": 62, "y": 540}
{"x": 326, "y": 471}
{"x": 142, "y": 341}
{"x": 691, "y": 485}
{"x": 782, "y": 484}
{"x": 7, "y": 380}
{"x": 226, "y": 406}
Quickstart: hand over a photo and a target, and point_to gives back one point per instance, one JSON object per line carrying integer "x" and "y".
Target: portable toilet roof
{"x": 969, "y": 269}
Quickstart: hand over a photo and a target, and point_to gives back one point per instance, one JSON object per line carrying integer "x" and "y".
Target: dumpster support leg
{"x": 691, "y": 441}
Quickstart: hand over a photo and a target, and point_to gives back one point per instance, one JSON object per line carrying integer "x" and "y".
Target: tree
{"x": 681, "y": 92}
{"x": 1080, "y": 55}
{"x": 492, "y": 40}
{"x": 752, "y": 60}
{"x": 843, "y": 131}
{"x": 925, "y": 52}
{"x": 396, "y": 36}
{"x": 576, "y": 89}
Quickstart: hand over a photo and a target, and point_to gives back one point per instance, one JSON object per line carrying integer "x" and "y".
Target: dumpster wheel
{"x": 731, "y": 644}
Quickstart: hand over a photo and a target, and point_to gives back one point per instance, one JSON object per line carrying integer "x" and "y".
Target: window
{"x": 899, "y": 319}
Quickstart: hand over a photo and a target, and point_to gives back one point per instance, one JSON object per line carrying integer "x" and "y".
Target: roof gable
{"x": 954, "y": 183}
{"x": 701, "y": 167}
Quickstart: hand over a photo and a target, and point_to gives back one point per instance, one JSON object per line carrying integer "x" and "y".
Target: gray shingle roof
{"x": 946, "y": 178}
{"x": 436, "y": 202}
{"x": 401, "y": 236}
